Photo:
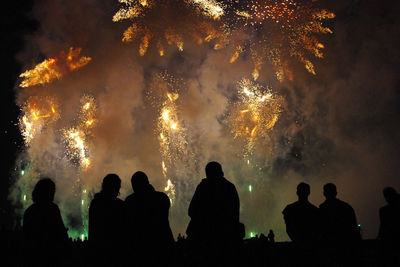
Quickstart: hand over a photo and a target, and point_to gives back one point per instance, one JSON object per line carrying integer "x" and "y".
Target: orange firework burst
{"x": 169, "y": 22}
{"x": 54, "y": 68}
{"x": 284, "y": 29}
{"x": 257, "y": 112}
{"x": 37, "y": 113}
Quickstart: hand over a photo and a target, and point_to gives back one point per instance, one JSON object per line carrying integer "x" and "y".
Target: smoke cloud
{"x": 339, "y": 126}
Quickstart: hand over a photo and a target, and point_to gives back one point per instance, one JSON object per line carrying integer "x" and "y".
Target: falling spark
{"x": 76, "y": 137}
{"x": 170, "y": 127}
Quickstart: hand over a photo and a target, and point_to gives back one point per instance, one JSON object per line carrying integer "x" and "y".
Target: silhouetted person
{"x": 150, "y": 238}
{"x": 389, "y": 230}
{"x": 214, "y": 212}
{"x": 271, "y": 236}
{"x": 302, "y": 217}
{"x": 106, "y": 222}
{"x": 44, "y": 231}
{"x": 338, "y": 219}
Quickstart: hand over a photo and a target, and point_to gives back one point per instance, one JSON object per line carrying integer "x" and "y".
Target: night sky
{"x": 340, "y": 126}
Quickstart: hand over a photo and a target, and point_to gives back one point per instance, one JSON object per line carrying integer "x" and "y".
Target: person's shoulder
{"x": 290, "y": 207}
{"x": 344, "y": 204}
{"x": 31, "y": 209}
{"x": 384, "y": 208}
{"x": 54, "y": 207}
{"x": 312, "y": 206}
{"x": 130, "y": 197}
{"x": 162, "y": 196}
{"x": 119, "y": 201}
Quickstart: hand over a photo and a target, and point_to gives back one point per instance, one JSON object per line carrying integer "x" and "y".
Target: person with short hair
{"x": 338, "y": 219}
{"x": 302, "y": 217}
{"x": 106, "y": 222}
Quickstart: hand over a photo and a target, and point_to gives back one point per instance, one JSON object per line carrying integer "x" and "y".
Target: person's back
{"x": 44, "y": 230}
{"x": 389, "y": 230}
{"x": 148, "y": 229}
{"x": 214, "y": 208}
{"x": 214, "y": 231}
{"x": 302, "y": 217}
{"x": 106, "y": 213}
{"x": 339, "y": 224}
{"x": 43, "y": 225}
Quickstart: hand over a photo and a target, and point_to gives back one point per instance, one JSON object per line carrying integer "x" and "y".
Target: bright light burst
{"x": 281, "y": 30}
{"x": 167, "y": 23}
{"x": 171, "y": 130}
{"x": 76, "y": 138}
{"x": 54, "y": 68}
{"x": 255, "y": 114}
{"x": 37, "y": 113}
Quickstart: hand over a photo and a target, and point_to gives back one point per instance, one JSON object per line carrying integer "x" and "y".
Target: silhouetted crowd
{"x": 136, "y": 232}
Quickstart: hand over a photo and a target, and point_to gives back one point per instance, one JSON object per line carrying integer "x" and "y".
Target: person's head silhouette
{"x": 111, "y": 185}
{"x": 139, "y": 181}
{"x": 214, "y": 170}
{"x": 330, "y": 191}
{"x": 391, "y": 195}
{"x": 44, "y": 191}
{"x": 303, "y": 191}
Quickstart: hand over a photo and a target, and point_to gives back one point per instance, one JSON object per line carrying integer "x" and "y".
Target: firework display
{"x": 156, "y": 22}
{"x": 54, "y": 68}
{"x": 37, "y": 112}
{"x": 170, "y": 128}
{"x": 285, "y": 29}
{"x": 76, "y": 137}
{"x": 255, "y": 114}
{"x": 103, "y": 123}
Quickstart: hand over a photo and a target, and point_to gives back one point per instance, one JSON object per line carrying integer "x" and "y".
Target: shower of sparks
{"x": 169, "y": 22}
{"x": 280, "y": 30}
{"x": 77, "y": 146}
{"x": 54, "y": 68}
{"x": 170, "y": 127}
{"x": 76, "y": 137}
{"x": 37, "y": 113}
{"x": 255, "y": 114}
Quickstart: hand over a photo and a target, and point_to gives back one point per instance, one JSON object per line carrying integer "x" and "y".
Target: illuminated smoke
{"x": 115, "y": 115}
